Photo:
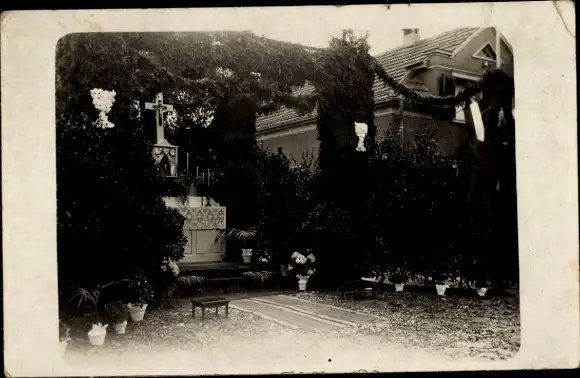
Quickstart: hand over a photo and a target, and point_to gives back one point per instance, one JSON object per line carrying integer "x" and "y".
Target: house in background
{"x": 441, "y": 65}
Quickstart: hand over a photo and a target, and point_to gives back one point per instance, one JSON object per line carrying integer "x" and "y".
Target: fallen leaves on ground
{"x": 460, "y": 327}
{"x": 453, "y": 326}
{"x": 176, "y": 329}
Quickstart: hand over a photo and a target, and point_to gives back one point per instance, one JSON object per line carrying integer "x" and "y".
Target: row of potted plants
{"x": 140, "y": 293}
{"x": 399, "y": 278}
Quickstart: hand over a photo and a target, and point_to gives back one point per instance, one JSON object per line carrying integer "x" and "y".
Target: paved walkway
{"x": 301, "y": 314}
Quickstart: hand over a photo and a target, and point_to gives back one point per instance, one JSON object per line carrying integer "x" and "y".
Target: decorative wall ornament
{"x": 204, "y": 218}
{"x": 166, "y": 149}
{"x": 361, "y": 130}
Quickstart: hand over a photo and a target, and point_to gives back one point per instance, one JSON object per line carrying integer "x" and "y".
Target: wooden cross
{"x": 159, "y": 108}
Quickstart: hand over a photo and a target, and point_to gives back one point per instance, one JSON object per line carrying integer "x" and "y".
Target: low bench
{"x": 357, "y": 286}
{"x": 209, "y": 302}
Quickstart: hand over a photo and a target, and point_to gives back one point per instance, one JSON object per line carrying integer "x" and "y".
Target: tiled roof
{"x": 393, "y": 61}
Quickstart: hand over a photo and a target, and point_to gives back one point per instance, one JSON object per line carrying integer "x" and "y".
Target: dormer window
{"x": 487, "y": 52}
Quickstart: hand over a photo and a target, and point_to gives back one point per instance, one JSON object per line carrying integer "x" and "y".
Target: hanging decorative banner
{"x": 361, "y": 130}
{"x": 477, "y": 120}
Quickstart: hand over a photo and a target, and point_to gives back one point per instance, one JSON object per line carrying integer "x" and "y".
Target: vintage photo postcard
{"x": 290, "y": 190}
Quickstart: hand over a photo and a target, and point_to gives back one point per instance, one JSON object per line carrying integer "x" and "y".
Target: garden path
{"x": 302, "y": 314}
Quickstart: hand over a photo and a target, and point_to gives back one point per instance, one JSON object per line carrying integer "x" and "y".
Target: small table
{"x": 209, "y": 302}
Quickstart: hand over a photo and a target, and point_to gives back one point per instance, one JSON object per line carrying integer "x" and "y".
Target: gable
{"x": 486, "y": 52}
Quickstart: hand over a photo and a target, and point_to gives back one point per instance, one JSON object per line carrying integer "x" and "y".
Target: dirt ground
{"x": 423, "y": 327}
{"x": 471, "y": 327}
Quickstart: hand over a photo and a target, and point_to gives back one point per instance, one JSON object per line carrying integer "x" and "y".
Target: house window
{"x": 459, "y": 112}
{"x": 486, "y": 53}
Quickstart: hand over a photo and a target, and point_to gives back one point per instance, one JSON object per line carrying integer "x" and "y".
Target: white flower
{"x": 300, "y": 259}
{"x": 294, "y": 255}
{"x": 290, "y": 267}
{"x": 311, "y": 272}
{"x": 263, "y": 259}
{"x": 173, "y": 265}
{"x": 311, "y": 257}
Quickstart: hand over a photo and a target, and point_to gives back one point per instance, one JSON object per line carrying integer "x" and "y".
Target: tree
{"x": 415, "y": 208}
{"x": 111, "y": 218}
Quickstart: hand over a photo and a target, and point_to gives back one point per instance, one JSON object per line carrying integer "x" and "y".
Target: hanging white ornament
{"x": 103, "y": 101}
{"x": 477, "y": 120}
{"x": 361, "y": 130}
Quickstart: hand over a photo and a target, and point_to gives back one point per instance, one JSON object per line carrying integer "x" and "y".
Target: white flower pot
{"x": 399, "y": 287}
{"x": 247, "y": 255}
{"x": 120, "y": 327}
{"x": 97, "y": 336}
{"x": 441, "y": 289}
{"x": 137, "y": 312}
{"x": 481, "y": 291}
{"x": 302, "y": 283}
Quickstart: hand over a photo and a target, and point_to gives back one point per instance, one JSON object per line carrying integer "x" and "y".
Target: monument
{"x": 203, "y": 221}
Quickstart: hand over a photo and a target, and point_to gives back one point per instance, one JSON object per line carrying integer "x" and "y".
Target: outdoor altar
{"x": 204, "y": 218}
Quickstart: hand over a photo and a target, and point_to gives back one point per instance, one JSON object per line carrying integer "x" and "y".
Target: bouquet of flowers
{"x": 302, "y": 265}
{"x": 170, "y": 265}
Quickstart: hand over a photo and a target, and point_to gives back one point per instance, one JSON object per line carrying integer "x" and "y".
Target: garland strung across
{"x": 493, "y": 81}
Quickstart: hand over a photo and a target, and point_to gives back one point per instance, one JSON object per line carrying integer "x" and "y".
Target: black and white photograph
{"x": 260, "y": 194}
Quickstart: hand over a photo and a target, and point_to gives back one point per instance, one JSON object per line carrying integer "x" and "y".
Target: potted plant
{"x": 481, "y": 286}
{"x": 97, "y": 334}
{"x": 440, "y": 283}
{"x": 84, "y": 296}
{"x": 399, "y": 278}
{"x": 117, "y": 312}
{"x": 244, "y": 237}
{"x": 303, "y": 267}
{"x": 141, "y": 293}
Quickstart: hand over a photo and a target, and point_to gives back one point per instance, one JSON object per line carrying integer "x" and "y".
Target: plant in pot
{"x": 303, "y": 266}
{"x": 117, "y": 312}
{"x": 85, "y": 296}
{"x": 399, "y": 278}
{"x": 481, "y": 286}
{"x": 440, "y": 283}
{"x": 244, "y": 237}
{"x": 141, "y": 293}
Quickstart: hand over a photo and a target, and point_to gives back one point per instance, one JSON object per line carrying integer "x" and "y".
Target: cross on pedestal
{"x": 159, "y": 108}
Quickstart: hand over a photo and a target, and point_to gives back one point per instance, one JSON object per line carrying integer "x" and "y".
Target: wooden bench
{"x": 224, "y": 282}
{"x": 357, "y": 286}
{"x": 209, "y": 302}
